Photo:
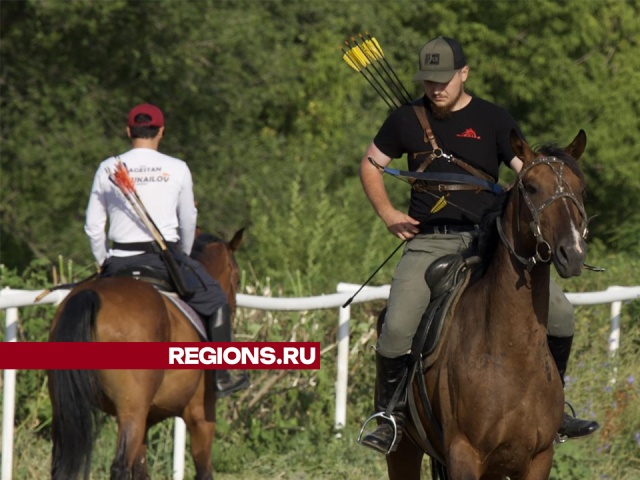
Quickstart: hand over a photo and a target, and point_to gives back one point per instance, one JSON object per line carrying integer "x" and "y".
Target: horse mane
{"x": 486, "y": 242}
{"x": 201, "y": 242}
{"x": 552, "y": 150}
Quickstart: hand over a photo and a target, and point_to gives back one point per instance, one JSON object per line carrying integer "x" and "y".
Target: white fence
{"x": 11, "y": 300}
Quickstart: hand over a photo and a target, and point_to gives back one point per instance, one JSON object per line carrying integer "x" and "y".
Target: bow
{"x": 440, "y": 177}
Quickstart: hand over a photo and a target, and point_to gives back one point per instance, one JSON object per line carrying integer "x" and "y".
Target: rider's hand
{"x": 400, "y": 224}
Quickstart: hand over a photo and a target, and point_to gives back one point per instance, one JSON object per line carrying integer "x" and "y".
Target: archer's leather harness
{"x": 436, "y": 153}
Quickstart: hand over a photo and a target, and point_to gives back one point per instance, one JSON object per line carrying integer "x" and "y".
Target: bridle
{"x": 563, "y": 190}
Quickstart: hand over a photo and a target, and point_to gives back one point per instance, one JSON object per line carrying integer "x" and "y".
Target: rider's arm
{"x": 516, "y": 164}
{"x": 398, "y": 223}
{"x": 187, "y": 213}
{"x": 96, "y": 220}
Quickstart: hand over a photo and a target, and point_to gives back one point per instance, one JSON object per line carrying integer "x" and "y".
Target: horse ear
{"x": 520, "y": 147}
{"x": 236, "y": 240}
{"x": 576, "y": 148}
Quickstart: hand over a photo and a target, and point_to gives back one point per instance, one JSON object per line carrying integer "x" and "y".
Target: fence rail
{"x": 11, "y": 300}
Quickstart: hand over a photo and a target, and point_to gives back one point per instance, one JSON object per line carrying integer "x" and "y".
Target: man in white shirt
{"x": 165, "y": 187}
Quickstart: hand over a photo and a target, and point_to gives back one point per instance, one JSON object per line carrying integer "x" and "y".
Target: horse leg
{"x": 405, "y": 462}
{"x": 463, "y": 461}
{"x": 200, "y": 417}
{"x": 129, "y": 394}
{"x": 132, "y": 429}
{"x": 140, "y": 471}
{"x": 540, "y": 466}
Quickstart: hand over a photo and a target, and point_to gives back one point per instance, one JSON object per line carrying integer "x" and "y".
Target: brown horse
{"x": 493, "y": 384}
{"x": 123, "y": 309}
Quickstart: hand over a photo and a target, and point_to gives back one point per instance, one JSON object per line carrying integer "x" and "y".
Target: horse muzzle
{"x": 569, "y": 257}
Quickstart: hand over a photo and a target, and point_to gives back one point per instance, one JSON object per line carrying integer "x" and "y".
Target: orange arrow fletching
{"x": 122, "y": 178}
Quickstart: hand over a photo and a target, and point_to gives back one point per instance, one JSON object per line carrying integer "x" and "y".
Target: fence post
{"x": 179, "y": 442}
{"x": 342, "y": 365}
{"x": 8, "y": 398}
{"x": 614, "y": 336}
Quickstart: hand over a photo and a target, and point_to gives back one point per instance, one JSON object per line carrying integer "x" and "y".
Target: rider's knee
{"x": 561, "y": 316}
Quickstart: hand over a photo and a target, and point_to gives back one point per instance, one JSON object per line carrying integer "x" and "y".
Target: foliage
{"x": 273, "y": 125}
{"x": 257, "y": 98}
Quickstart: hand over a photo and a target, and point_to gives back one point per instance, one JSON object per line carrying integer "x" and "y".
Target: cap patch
{"x": 432, "y": 59}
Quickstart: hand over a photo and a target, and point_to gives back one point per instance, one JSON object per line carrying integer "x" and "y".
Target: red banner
{"x": 161, "y": 356}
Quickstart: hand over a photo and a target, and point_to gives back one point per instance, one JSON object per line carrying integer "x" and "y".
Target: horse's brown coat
{"x": 494, "y": 386}
{"x": 134, "y": 311}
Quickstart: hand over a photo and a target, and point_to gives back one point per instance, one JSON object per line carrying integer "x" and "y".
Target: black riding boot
{"x": 389, "y": 373}
{"x": 571, "y": 427}
{"x": 219, "y": 330}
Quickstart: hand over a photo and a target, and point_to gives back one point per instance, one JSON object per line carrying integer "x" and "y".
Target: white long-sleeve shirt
{"x": 164, "y": 185}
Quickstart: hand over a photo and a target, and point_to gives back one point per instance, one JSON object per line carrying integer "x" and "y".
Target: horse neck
{"x": 517, "y": 300}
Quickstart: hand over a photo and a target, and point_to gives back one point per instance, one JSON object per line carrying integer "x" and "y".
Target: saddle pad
{"x": 189, "y": 313}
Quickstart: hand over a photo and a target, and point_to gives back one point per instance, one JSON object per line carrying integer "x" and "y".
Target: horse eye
{"x": 531, "y": 190}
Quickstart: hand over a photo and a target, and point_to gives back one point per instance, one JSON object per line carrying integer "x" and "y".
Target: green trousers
{"x": 410, "y": 294}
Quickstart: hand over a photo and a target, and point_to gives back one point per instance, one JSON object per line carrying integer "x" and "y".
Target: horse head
{"x": 216, "y": 256}
{"x": 551, "y": 216}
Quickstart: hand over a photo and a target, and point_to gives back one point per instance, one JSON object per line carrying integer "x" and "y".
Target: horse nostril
{"x": 563, "y": 256}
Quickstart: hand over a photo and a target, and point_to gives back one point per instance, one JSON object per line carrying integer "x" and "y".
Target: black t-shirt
{"x": 478, "y": 134}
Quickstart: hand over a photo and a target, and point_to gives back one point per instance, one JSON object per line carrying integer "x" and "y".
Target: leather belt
{"x": 447, "y": 229}
{"x": 446, "y": 187}
{"x": 146, "y": 247}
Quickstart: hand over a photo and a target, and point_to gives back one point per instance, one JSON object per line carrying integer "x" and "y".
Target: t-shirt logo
{"x": 144, "y": 175}
{"x": 432, "y": 59}
{"x": 468, "y": 133}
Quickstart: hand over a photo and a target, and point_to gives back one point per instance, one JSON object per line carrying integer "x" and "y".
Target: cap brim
{"x": 433, "y": 76}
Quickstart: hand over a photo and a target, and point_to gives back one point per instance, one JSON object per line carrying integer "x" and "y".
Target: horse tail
{"x": 75, "y": 394}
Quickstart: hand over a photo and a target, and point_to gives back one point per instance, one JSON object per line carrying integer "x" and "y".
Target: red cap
{"x": 157, "y": 119}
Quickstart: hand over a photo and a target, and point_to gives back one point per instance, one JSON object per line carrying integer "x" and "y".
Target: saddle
{"x": 162, "y": 283}
{"x": 447, "y": 278}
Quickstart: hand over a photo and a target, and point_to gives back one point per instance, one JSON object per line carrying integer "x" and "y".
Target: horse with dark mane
{"x": 125, "y": 309}
{"x": 491, "y": 383}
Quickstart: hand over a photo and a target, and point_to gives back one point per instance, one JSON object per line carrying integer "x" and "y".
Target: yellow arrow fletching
{"x": 363, "y": 61}
{"x": 353, "y": 56}
{"x": 440, "y": 204}
{"x": 371, "y": 50}
{"x": 346, "y": 58}
{"x": 377, "y": 45}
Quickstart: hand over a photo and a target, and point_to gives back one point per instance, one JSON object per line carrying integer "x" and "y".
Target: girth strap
{"x": 424, "y": 443}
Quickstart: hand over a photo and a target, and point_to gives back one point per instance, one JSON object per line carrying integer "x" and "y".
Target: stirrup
{"x": 563, "y": 438}
{"x": 560, "y": 439}
{"x": 384, "y": 416}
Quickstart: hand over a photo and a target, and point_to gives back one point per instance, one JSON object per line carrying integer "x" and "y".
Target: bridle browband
{"x": 563, "y": 189}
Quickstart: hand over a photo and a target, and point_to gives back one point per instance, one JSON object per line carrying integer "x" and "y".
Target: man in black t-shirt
{"x": 475, "y": 134}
